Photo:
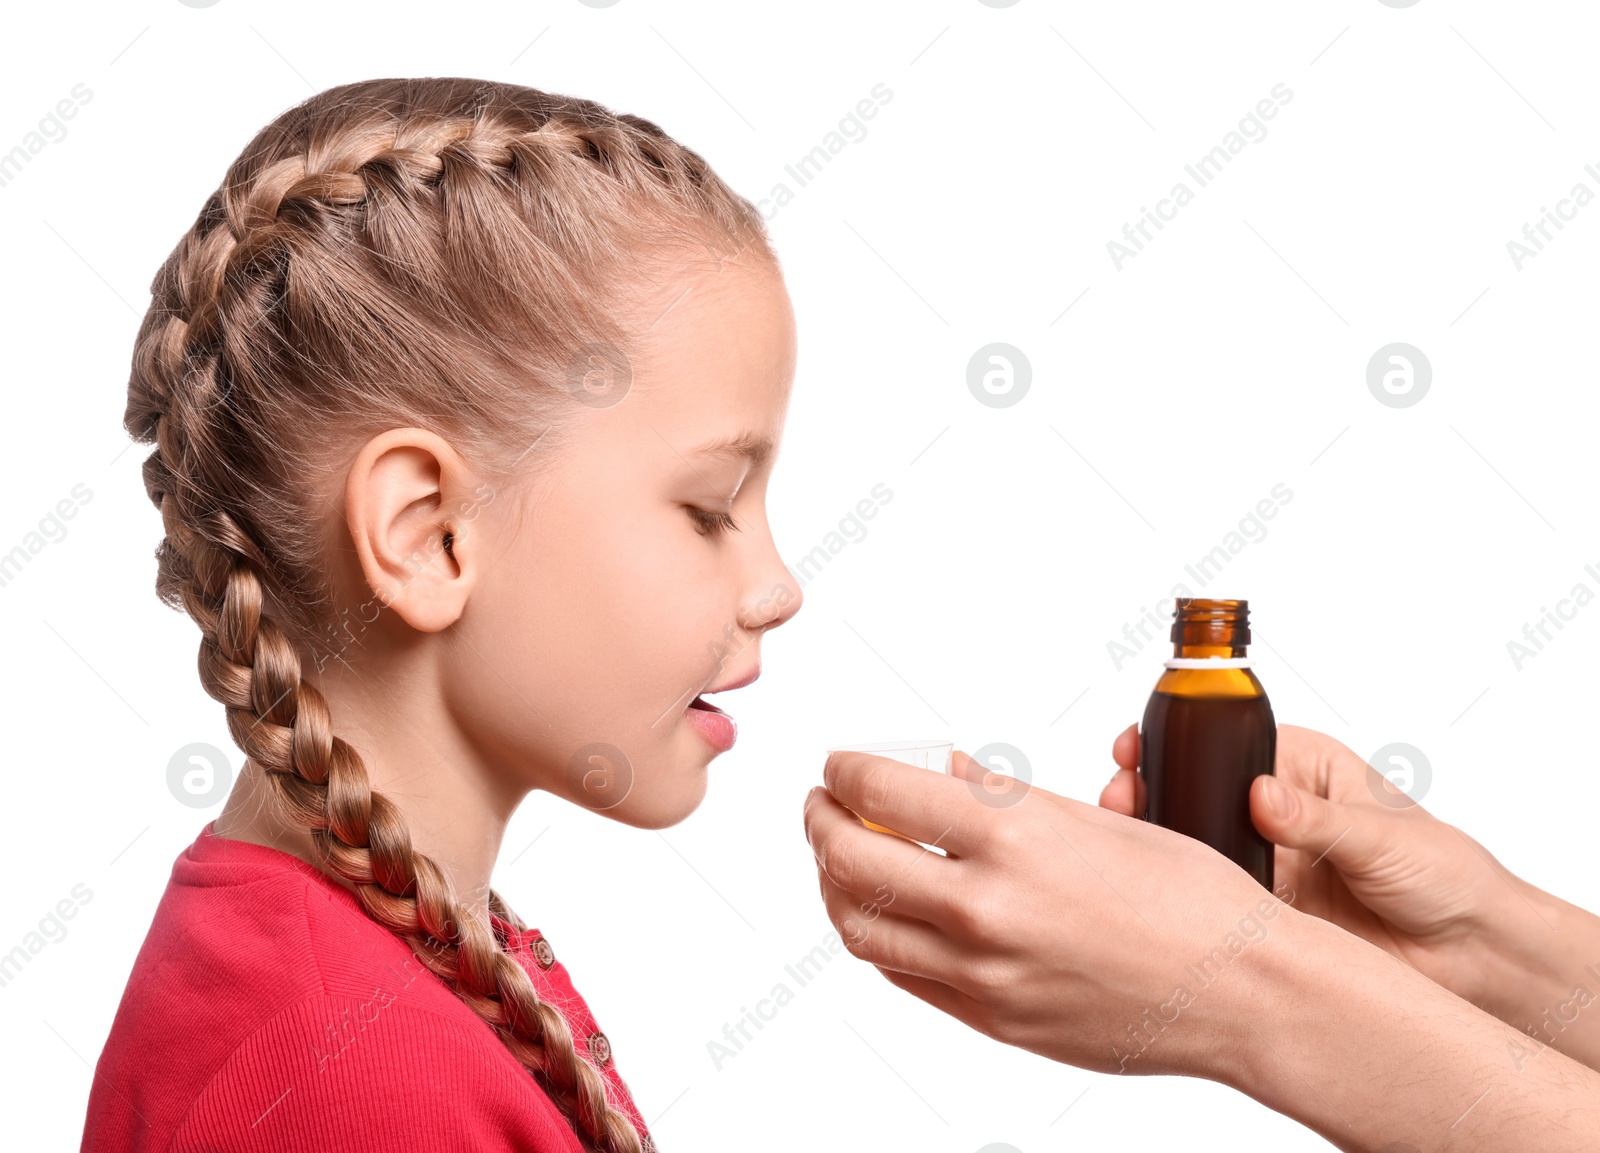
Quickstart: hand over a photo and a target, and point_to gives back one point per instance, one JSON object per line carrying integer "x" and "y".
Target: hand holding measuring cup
{"x": 931, "y": 754}
{"x": 1041, "y": 921}
{"x": 994, "y": 788}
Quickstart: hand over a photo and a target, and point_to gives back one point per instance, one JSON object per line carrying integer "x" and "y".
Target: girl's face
{"x": 638, "y": 570}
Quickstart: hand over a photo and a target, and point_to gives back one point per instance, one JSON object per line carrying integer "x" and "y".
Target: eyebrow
{"x": 755, "y": 448}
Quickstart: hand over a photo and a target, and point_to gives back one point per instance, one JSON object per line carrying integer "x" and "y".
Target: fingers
{"x": 888, "y": 871}
{"x": 941, "y": 996}
{"x": 963, "y": 766}
{"x": 1124, "y": 794}
{"x": 996, "y": 790}
{"x": 1316, "y": 762}
{"x": 1125, "y": 749}
{"x": 1351, "y": 836}
{"x": 935, "y": 808}
{"x": 1325, "y": 767}
{"x": 871, "y": 931}
{"x": 877, "y": 919}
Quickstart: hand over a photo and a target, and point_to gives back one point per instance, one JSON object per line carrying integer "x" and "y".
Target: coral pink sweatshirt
{"x": 267, "y": 1011}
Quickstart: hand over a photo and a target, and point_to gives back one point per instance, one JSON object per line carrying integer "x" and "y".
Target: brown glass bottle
{"x": 1208, "y": 732}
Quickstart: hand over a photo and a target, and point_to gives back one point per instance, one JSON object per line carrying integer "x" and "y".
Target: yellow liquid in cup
{"x": 885, "y": 829}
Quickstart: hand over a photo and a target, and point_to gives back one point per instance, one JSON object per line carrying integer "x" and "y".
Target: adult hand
{"x": 1052, "y": 925}
{"x": 1391, "y": 873}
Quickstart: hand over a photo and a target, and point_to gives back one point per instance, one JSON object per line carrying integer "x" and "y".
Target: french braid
{"x": 388, "y": 254}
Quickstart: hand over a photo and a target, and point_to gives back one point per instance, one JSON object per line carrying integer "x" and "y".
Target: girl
{"x": 464, "y": 398}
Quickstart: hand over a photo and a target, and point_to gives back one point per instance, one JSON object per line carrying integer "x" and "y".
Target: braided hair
{"x": 392, "y": 253}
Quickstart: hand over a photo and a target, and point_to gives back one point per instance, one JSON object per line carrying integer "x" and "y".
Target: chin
{"x": 659, "y": 805}
{"x": 659, "y": 816}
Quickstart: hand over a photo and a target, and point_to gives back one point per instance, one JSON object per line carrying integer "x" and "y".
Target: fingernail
{"x": 1280, "y": 799}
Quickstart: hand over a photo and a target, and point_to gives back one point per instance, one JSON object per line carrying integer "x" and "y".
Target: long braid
{"x": 340, "y": 230}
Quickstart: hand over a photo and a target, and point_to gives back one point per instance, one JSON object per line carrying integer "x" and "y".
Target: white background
{"x": 1167, "y": 398}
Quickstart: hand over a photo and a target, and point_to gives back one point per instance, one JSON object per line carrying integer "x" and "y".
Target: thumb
{"x": 995, "y": 788}
{"x": 1350, "y": 837}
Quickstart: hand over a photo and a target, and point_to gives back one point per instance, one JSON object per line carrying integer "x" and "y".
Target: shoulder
{"x": 263, "y": 988}
{"x": 380, "y": 1072}
{"x": 266, "y": 1009}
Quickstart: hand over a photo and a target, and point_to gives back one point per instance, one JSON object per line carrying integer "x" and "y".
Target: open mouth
{"x": 716, "y": 726}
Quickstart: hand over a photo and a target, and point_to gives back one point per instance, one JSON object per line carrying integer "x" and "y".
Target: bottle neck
{"x": 1205, "y": 628}
{"x": 1200, "y": 651}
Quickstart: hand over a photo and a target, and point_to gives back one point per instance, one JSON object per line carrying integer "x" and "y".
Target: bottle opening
{"x": 1207, "y": 627}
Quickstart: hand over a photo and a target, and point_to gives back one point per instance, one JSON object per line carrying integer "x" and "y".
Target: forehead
{"x": 715, "y": 351}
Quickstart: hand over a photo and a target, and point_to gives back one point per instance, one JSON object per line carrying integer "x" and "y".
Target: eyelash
{"x": 712, "y": 522}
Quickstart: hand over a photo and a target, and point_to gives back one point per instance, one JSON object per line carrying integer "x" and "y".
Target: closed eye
{"x": 712, "y": 522}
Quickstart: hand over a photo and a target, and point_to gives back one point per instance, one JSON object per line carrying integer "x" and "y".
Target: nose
{"x": 772, "y": 590}
{"x": 774, "y": 604}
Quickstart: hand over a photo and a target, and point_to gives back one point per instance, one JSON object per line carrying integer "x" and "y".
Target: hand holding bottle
{"x": 1398, "y": 877}
{"x": 1055, "y": 926}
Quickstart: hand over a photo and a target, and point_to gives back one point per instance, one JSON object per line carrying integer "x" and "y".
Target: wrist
{"x": 1294, "y": 973}
{"x": 1277, "y": 966}
{"x": 1336, "y": 1024}
{"x": 1513, "y": 941}
{"x": 1536, "y": 951}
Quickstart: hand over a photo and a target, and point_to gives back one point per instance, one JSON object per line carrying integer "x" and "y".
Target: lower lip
{"x": 716, "y": 727}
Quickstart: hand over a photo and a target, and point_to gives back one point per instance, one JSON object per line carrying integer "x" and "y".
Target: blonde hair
{"x": 437, "y": 253}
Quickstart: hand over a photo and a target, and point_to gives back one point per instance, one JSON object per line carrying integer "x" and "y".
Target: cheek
{"x": 607, "y": 617}
{"x": 596, "y": 620}
{"x": 647, "y": 587}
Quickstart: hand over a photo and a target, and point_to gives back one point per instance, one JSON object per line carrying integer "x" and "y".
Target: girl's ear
{"x": 416, "y": 555}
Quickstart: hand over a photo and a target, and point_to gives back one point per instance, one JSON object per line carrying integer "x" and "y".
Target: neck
{"x": 454, "y": 808}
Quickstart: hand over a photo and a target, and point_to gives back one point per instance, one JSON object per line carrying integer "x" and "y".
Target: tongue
{"x": 701, "y": 703}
